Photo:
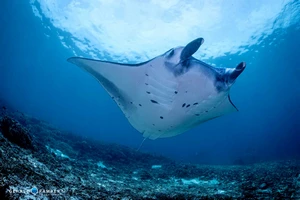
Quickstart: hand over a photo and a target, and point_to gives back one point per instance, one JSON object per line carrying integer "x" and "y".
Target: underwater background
{"x": 38, "y": 36}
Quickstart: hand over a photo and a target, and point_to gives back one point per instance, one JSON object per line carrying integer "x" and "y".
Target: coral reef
{"x": 15, "y": 132}
{"x": 38, "y": 161}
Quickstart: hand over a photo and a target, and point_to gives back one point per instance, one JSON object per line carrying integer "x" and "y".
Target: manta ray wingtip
{"x": 201, "y": 40}
{"x": 70, "y": 59}
{"x": 191, "y": 48}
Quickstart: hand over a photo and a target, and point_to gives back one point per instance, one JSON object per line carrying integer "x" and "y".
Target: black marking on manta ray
{"x": 183, "y": 105}
{"x": 195, "y": 104}
{"x": 161, "y": 117}
{"x": 153, "y": 124}
{"x": 175, "y": 92}
{"x": 146, "y": 74}
{"x": 153, "y": 101}
{"x": 188, "y": 106}
{"x": 140, "y": 105}
{"x": 146, "y": 84}
{"x": 197, "y": 114}
{"x": 148, "y": 92}
{"x": 130, "y": 102}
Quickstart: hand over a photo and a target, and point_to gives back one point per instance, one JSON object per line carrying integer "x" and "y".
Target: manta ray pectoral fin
{"x": 191, "y": 48}
{"x": 120, "y": 80}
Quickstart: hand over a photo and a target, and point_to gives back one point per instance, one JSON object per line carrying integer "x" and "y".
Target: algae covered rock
{"x": 15, "y": 133}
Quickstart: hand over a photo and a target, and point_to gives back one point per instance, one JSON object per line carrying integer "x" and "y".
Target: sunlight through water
{"x": 134, "y": 31}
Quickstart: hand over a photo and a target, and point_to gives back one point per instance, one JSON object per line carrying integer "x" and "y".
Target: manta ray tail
{"x": 141, "y": 144}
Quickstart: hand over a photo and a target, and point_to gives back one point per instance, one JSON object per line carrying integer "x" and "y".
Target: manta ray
{"x": 169, "y": 94}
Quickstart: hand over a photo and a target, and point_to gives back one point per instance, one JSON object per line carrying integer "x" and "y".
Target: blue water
{"x": 36, "y": 79}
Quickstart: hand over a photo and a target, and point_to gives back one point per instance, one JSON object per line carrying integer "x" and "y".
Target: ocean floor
{"x": 38, "y": 161}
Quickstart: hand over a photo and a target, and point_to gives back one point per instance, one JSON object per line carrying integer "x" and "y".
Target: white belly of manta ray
{"x": 169, "y": 94}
